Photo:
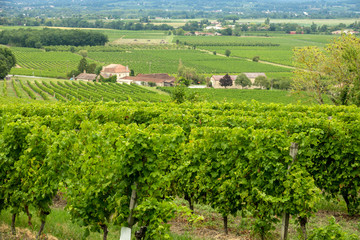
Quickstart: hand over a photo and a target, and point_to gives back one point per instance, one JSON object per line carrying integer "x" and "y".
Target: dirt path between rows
{"x": 250, "y": 60}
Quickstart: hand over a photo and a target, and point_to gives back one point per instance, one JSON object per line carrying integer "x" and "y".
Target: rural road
{"x": 250, "y": 60}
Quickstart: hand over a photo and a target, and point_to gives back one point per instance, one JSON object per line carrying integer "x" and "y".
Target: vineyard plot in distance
{"x": 193, "y": 51}
{"x": 65, "y": 90}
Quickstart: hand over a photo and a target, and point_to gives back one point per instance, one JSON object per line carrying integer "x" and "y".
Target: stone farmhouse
{"x": 115, "y": 69}
{"x": 122, "y": 74}
{"x": 215, "y": 80}
{"x": 160, "y": 79}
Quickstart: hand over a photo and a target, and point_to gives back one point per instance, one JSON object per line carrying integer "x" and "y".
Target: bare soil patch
{"x": 21, "y": 234}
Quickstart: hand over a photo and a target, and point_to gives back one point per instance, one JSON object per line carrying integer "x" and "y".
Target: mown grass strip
{"x": 16, "y": 88}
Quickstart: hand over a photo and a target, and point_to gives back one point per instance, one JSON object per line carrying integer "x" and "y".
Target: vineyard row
{"x": 269, "y": 160}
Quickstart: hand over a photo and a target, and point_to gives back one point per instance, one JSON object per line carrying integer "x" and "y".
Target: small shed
{"x": 86, "y": 77}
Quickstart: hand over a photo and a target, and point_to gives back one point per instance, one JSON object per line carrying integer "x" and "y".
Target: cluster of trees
{"x": 122, "y": 25}
{"x": 145, "y": 24}
{"x": 241, "y": 28}
{"x": 83, "y": 23}
{"x": 191, "y": 26}
{"x": 188, "y": 75}
{"x": 7, "y": 61}
{"x": 195, "y": 25}
{"x": 49, "y": 37}
{"x": 334, "y": 71}
{"x": 84, "y": 66}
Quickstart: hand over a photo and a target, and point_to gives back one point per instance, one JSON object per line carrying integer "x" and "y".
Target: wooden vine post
{"x": 132, "y": 206}
{"x": 286, "y": 216}
{"x": 126, "y": 231}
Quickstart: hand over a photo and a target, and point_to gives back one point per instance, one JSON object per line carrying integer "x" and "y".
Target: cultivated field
{"x": 53, "y": 90}
{"x": 37, "y": 62}
{"x": 230, "y": 161}
{"x": 279, "y": 51}
{"x": 157, "y": 52}
{"x": 167, "y": 61}
{"x": 78, "y": 156}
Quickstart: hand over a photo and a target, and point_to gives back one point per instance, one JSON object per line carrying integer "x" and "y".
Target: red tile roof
{"x": 115, "y": 68}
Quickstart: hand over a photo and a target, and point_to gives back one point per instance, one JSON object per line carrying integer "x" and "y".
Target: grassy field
{"x": 59, "y": 224}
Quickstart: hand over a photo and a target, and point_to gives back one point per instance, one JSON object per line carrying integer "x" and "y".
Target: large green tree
{"x": 343, "y": 68}
{"x": 243, "y": 80}
{"x": 334, "y": 71}
{"x": 83, "y": 65}
{"x": 262, "y": 81}
{"x": 7, "y": 61}
{"x": 309, "y": 74}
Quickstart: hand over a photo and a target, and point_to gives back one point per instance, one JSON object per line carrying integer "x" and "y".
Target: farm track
{"x": 250, "y": 60}
{"x": 27, "y": 76}
{"x": 10, "y": 89}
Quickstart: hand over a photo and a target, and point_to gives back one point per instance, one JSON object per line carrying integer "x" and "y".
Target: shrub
{"x": 262, "y": 82}
{"x": 178, "y": 94}
{"x": 331, "y": 231}
{"x": 226, "y": 81}
{"x": 227, "y": 52}
{"x": 256, "y": 58}
{"x": 242, "y": 80}
{"x": 152, "y": 84}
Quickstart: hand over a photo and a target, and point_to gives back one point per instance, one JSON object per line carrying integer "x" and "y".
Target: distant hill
{"x": 256, "y": 8}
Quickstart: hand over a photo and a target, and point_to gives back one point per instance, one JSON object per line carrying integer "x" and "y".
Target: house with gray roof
{"x": 215, "y": 80}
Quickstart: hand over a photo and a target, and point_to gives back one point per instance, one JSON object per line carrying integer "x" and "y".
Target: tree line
{"x": 188, "y": 9}
{"x": 49, "y": 37}
{"x": 78, "y": 22}
{"x": 240, "y": 28}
